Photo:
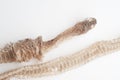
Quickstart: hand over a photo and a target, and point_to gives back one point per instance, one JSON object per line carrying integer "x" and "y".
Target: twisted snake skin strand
{"x": 62, "y": 64}
{"x": 27, "y": 49}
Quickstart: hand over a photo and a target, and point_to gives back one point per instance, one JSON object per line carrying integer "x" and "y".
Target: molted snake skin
{"x": 65, "y": 63}
{"x": 26, "y": 49}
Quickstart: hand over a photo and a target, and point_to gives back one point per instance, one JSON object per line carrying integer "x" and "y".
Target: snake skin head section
{"x": 86, "y": 25}
{"x": 91, "y": 22}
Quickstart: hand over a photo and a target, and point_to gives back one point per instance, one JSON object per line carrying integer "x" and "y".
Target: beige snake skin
{"x": 63, "y": 64}
{"x": 24, "y": 50}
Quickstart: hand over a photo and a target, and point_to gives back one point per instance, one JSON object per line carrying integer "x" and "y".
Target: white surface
{"x": 20, "y": 19}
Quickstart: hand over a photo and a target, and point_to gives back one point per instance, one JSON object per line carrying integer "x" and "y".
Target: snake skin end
{"x": 92, "y": 21}
{"x": 85, "y": 26}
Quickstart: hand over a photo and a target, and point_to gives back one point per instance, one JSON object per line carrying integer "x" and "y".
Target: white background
{"x": 21, "y": 19}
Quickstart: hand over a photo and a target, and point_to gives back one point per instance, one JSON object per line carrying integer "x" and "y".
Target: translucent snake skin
{"x": 65, "y": 63}
{"x": 26, "y": 49}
